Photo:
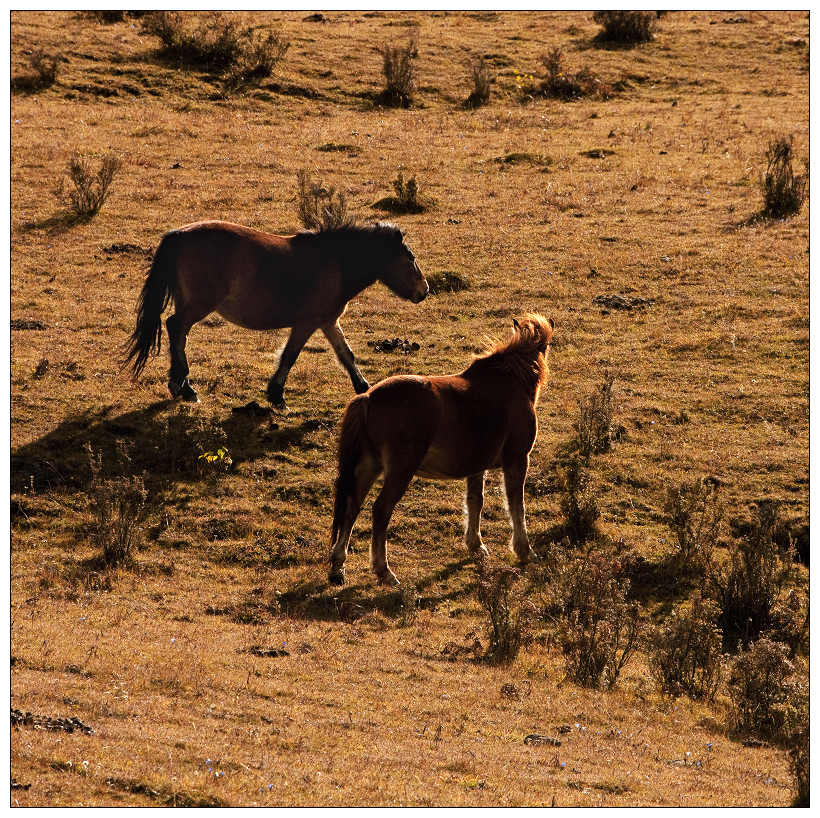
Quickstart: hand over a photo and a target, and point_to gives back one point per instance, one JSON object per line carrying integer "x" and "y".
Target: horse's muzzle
{"x": 421, "y": 294}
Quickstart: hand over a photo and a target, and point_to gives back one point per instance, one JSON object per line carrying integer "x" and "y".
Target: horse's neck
{"x": 355, "y": 275}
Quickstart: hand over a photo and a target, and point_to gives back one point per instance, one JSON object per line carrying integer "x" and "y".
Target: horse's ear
{"x": 516, "y": 325}
{"x": 551, "y": 322}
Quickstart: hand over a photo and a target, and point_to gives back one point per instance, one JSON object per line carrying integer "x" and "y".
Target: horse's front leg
{"x": 475, "y": 502}
{"x": 333, "y": 333}
{"x": 290, "y": 352}
{"x": 515, "y": 472}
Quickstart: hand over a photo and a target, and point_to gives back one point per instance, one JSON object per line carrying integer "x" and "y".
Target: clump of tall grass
{"x": 86, "y": 190}
{"x": 320, "y": 207}
{"x": 625, "y": 27}
{"x": 399, "y": 69}
{"x": 783, "y": 192}
{"x": 481, "y": 79}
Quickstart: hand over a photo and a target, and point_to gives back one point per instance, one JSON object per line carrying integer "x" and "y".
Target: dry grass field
{"x": 381, "y": 696}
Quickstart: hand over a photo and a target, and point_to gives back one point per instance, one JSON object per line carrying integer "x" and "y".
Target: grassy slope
{"x": 354, "y": 716}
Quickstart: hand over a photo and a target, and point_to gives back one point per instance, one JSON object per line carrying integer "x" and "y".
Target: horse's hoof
{"x": 336, "y": 577}
{"x": 389, "y": 579}
{"x": 361, "y": 388}
{"x": 276, "y": 395}
{"x": 188, "y": 394}
{"x": 480, "y": 553}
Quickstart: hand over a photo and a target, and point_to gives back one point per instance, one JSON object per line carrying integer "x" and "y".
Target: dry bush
{"x": 599, "y": 630}
{"x": 398, "y": 66}
{"x": 694, "y": 514}
{"x": 769, "y": 696}
{"x": 113, "y": 16}
{"x": 790, "y": 622}
{"x": 504, "y": 608}
{"x": 783, "y": 192}
{"x": 118, "y": 504}
{"x": 594, "y": 428}
{"x": 447, "y": 281}
{"x": 218, "y": 44}
{"x": 560, "y": 83}
{"x": 686, "y": 655}
{"x": 625, "y": 27}
{"x": 577, "y": 502}
{"x": 43, "y": 73}
{"x": 321, "y": 208}
{"x": 799, "y": 765}
{"x": 748, "y": 588}
{"x": 481, "y": 79}
{"x": 88, "y": 190}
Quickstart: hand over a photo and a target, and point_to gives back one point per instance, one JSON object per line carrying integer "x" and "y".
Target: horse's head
{"x": 535, "y": 330}
{"x": 401, "y": 272}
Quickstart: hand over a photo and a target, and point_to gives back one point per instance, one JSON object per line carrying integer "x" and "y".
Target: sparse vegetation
{"x": 561, "y": 83}
{"x": 407, "y": 198}
{"x": 87, "y": 191}
{"x": 625, "y": 27}
{"x": 577, "y": 501}
{"x": 594, "y": 428}
{"x": 800, "y": 766}
{"x": 399, "y": 69}
{"x": 43, "y": 73}
{"x": 481, "y": 79}
{"x": 694, "y": 514}
{"x": 783, "y": 192}
{"x": 447, "y": 281}
{"x": 686, "y": 651}
{"x": 320, "y": 207}
{"x": 769, "y": 699}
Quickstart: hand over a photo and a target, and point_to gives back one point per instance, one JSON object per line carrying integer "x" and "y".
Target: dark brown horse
{"x": 262, "y": 281}
{"x": 451, "y": 426}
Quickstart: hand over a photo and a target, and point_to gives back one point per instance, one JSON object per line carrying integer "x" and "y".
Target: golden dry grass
{"x": 365, "y": 709}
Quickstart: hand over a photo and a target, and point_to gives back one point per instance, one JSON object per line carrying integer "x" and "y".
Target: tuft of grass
{"x": 561, "y": 83}
{"x": 43, "y": 73}
{"x": 481, "y": 79}
{"x": 783, "y": 192}
{"x": 447, "y": 281}
{"x": 685, "y": 653}
{"x": 407, "y": 198}
{"x": 503, "y": 607}
{"x": 399, "y": 69}
{"x": 769, "y": 697}
{"x": 87, "y": 190}
{"x": 625, "y": 27}
{"x": 321, "y": 208}
{"x": 694, "y": 514}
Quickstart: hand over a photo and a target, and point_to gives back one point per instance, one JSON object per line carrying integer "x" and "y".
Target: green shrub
{"x": 321, "y": 208}
{"x": 398, "y": 66}
{"x": 625, "y": 27}
{"x": 769, "y": 697}
{"x": 783, "y": 192}
{"x": 685, "y": 653}
{"x": 694, "y": 514}
{"x": 87, "y": 191}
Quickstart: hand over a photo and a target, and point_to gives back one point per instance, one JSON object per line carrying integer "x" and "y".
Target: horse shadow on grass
{"x": 162, "y": 441}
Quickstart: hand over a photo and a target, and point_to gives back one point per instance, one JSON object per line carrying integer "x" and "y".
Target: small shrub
{"x": 480, "y": 77}
{"x": 594, "y": 429}
{"x": 107, "y": 16}
{"x": 768, "y": 698}
{"x": 560, "y": 83}
{"x": 694, "y": 513}
{"x": 799, "y": 765}
{"x": 577, "y": 502}
{"x": 783, "y": 192}
{"x": 321, "y": 208}
{"x": 399, "y": 71}
{"x": 748, "y": 588}
{"x": 599, "y": 629}
{"x": 686, "y": 652}
{"x": 88, "y": 190}
{"x": 119, "y": 509}
{"x": 790, "y": 622}
{"x": 43, "y": 73}
{"x": 625, "y": 27}
{"x": 497, "y": 597}
{"x": 407, "y": 198}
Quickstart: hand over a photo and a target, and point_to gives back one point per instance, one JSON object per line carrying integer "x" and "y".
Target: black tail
{"x": 156, "y": 294}
{"x": 352, "y": 443}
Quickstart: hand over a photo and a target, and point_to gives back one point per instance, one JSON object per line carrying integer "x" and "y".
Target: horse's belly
{"x": 446, "y": 464}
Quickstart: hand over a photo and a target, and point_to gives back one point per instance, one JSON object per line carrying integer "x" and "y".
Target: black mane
{"x": 383, "y": 230}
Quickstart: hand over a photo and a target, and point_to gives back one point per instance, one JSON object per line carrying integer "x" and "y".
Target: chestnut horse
{"x": 261, "y": 281}
{"x": 450, "y": 426}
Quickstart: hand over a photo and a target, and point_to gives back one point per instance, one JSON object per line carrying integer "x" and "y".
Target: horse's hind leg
{"x": 515, "y": 471}
{"x": 178, "y": 384}
{"x": 475, "y": 502}
{"x": 367, "y": 470}
{"x": 396, "y": 481}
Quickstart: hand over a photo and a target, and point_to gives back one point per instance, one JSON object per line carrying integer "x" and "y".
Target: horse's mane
{"x": 325, "y": 235}
{"x": 522, "y": 356}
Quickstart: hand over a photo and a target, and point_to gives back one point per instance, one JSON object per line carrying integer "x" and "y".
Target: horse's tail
{"x": 352, "y": 444}
{"x": 156, "y": 294}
